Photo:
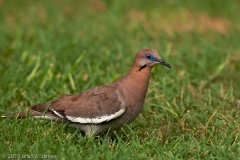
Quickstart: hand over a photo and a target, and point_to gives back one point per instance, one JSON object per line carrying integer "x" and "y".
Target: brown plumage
{"x": 104, "y": 108}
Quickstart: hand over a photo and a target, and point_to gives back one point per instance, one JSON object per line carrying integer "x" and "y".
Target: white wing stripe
{"x": 46, "y": 117}
{"x": 59, "y": 115}
{"x": 97, "y": 120}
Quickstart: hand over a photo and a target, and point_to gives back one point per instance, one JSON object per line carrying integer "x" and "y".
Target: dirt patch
{"x": 97, "y": 6}
{"x": 11, "y": 21}
{"x": 201, "y": 22}
{"x": 183, "y": 21}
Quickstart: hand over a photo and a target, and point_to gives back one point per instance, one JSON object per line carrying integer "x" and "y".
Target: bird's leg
{"x": 90, "y": 131}
{"x": 108, "y": 136}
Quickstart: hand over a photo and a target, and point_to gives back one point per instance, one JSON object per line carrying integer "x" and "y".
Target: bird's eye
{"x": 148, "y": 56}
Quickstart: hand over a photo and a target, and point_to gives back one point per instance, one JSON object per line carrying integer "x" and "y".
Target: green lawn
{"x": 52, "y": 48}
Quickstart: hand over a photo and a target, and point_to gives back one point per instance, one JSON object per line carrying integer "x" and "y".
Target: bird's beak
{"x": 162, "y": 62}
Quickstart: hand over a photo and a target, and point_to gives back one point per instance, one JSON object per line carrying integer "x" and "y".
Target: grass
{"x": 52, "y": 48}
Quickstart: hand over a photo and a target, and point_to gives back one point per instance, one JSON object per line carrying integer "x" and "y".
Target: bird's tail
{"x": 18, "y": 115}
{"x": 33, "y": 111}
{"x": 41, "y": 111}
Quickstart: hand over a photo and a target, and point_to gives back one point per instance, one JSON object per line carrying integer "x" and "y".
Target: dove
{"x": 104, "y": 108}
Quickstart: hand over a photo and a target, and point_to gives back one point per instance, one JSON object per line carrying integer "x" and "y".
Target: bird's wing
{"x": 97, "y": 105}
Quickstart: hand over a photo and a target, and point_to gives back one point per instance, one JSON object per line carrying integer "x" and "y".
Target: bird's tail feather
{"x": 18, "y": 115}
{"x": 34, "y": 110}
{"x": 41, "y": 111}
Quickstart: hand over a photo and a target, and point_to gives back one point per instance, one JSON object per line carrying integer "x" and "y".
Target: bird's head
{"x": 147, "y": 58}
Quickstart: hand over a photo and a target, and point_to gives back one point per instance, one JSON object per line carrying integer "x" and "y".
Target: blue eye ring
{"x": 148, "y": 56}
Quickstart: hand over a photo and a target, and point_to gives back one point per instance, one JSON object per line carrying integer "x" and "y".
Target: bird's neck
{"x": 140, "y": 75}
{"x": 135, "y": 83}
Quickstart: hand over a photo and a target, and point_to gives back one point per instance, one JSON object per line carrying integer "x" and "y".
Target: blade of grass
{"x": 216, "y": 110}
